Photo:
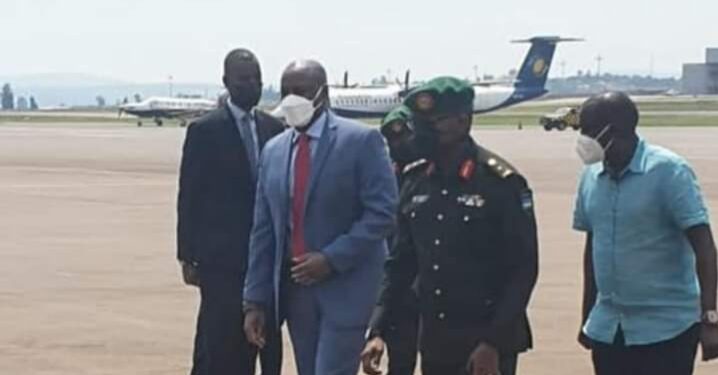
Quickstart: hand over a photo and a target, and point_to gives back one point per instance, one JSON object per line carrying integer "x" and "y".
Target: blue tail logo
{"x": 536, "y": 65}
{"x": 540, "y": 68}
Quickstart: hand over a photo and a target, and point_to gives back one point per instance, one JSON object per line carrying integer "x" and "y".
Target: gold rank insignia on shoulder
{"x": 471, "y": 200}
{"x": 500, "y": 169}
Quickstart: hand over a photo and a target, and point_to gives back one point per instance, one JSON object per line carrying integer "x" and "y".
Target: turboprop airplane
{"x": 530, "y": 83}
{"x": 159, "y": 108}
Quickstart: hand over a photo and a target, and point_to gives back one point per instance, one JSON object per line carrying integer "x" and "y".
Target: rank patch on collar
{"x": 527, "y": 201}
{"x": 471, "y": 200}
{"x": 419, "y": 199}
{"x": 467, "y": 169}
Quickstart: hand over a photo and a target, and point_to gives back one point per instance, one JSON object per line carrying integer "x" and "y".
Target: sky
{"x": 142, "y": 41}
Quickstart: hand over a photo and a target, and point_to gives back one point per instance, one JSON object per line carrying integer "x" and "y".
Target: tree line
{"x": 8, "y": 102}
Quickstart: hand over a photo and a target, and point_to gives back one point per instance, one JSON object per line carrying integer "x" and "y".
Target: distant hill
{"x": 59, "y": 80}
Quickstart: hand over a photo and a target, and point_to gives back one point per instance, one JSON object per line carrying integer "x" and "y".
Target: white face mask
{"x": 590, "y": 150}
{"x": 296, "y": 110}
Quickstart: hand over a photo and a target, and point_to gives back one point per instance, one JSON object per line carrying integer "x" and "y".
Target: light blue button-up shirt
{"x": 643, "y": 264}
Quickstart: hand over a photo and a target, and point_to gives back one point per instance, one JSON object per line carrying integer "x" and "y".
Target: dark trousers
{"x": 402, "y": 343}
{"x": 199, "y": 356}
{"x": 221, "y": 348}
{"x": 673, "y": 357}
{"x": 507, "y": 366}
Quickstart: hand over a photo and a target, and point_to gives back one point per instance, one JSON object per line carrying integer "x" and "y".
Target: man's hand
{"x": 371, "y": 356}
{"x": 709, "y": 341}
{"x": 311, "y": 268}
{"x": 484, "y": 361}
{"x": 254, "y": 323}
{"x": 583, "y": 340}
{"x": 190, "y": 273}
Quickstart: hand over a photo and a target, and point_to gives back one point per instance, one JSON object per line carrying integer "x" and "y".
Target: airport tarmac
{"x": 89, "y": 283}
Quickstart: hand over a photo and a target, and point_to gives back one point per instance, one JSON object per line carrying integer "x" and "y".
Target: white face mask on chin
{"x": 297, "y": 110}
{"x": 590, "y": 150}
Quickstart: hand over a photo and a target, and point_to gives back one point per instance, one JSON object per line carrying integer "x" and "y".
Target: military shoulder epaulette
{"x": 496, "y": 164}
{"x": 415, "y": 166}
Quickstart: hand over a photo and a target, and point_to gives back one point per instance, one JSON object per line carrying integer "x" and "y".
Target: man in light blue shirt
{"x": 650, "y": 260}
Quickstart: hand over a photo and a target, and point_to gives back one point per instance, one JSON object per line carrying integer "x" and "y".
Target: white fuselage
{"x": 167, "y": 107}
{"x": 366, "y": 99}
{"x": 377, "y": 101}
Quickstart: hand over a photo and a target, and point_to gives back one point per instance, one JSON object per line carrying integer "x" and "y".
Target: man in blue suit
{"x": 326, "y": 201}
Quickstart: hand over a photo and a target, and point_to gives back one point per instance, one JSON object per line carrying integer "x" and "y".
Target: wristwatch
{"x": 710, "y": 317}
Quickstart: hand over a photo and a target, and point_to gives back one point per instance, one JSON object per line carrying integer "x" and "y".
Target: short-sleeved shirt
{"x": 643, "y": 263}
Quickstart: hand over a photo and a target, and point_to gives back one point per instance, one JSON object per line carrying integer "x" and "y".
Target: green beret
{"x": 441, "y": 96}
{"x": 401, "y": 113}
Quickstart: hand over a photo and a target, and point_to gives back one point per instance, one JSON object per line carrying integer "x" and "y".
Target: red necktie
{"x": 302, "y": 165}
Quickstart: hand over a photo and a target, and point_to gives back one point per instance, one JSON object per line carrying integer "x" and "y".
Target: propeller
{"x": 406, "y": 85}
{"x": 346, "y": 79}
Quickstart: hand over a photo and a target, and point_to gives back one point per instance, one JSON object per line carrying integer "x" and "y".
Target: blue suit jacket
{"x": 349, "y": 212}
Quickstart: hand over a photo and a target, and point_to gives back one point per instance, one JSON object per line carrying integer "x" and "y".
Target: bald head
{"x": 308, "y": 68}
{"x": 611, "y": 108}
{"x": 304, "y": 78}
{"x": 611, "y": 119}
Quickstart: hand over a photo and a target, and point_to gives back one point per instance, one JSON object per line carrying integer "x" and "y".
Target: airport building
{"x": 702, "y": 79}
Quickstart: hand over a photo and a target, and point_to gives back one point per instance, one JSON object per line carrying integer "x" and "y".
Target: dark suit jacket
{"x": 215, "y": 205}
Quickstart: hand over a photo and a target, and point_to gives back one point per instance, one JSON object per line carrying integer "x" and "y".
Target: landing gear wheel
{"x": 158, "y": 122}
{"x": 139, "y": 124}
{"x": 183, "y": 123}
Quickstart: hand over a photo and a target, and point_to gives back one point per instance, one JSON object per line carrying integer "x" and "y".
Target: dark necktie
{"x": 302, "y": 167}
{"x": 248, "y": 138}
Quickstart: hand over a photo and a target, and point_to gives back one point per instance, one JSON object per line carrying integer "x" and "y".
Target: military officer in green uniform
{"x": 400, "y": 334}
{"x": 397, "y": 130}
{"x": 467, "y": 235}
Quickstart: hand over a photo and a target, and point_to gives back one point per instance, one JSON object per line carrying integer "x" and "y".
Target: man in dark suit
{"x": 215, "y": 214}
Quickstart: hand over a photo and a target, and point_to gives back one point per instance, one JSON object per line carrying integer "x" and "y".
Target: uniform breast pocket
{"x": 475, "y": 231}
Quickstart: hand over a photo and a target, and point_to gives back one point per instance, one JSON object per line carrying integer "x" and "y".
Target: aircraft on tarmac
{"x": 160, "y": 108}
{"x": 530, "y": 83}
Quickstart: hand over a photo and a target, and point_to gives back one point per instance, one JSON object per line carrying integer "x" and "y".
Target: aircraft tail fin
{"x": 535, "y": 68}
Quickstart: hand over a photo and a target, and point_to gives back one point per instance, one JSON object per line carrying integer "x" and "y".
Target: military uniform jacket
{"x": 469, "y": 239}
